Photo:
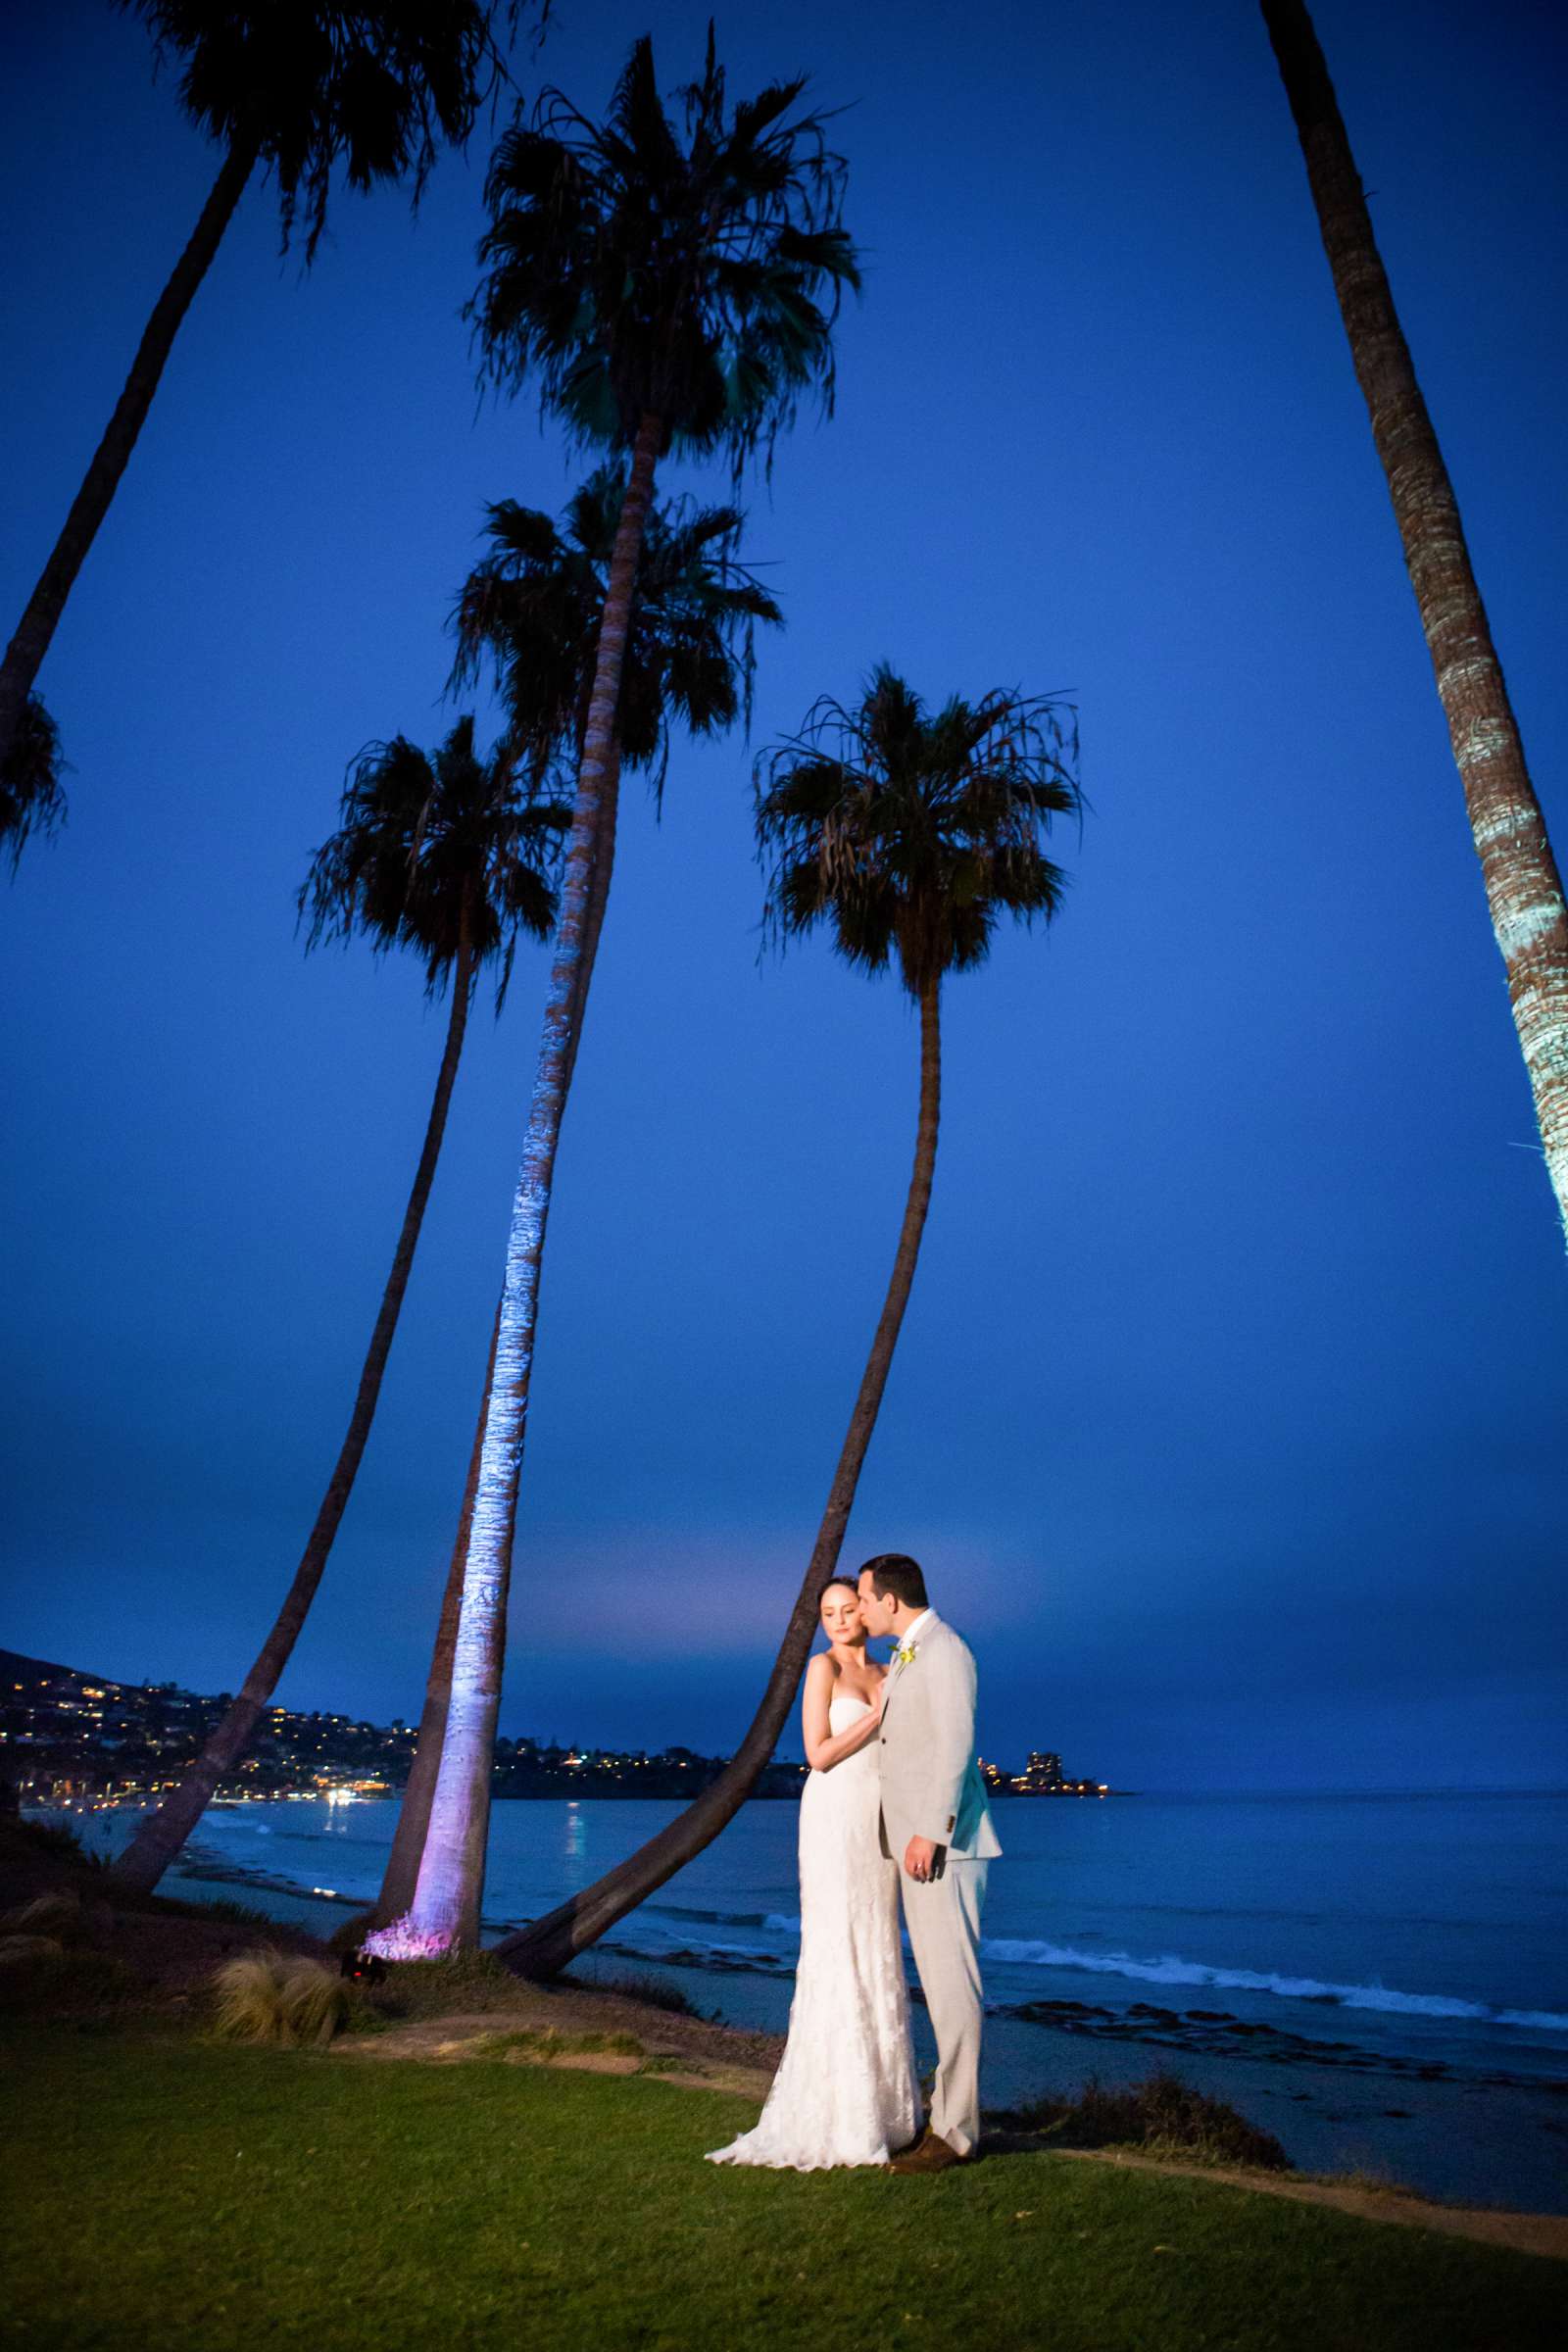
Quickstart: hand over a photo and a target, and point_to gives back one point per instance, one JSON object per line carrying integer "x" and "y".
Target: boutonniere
{"x": 906, "y": 1654}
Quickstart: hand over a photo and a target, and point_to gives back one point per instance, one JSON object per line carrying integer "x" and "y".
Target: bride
{"x": 845, "y": 2090}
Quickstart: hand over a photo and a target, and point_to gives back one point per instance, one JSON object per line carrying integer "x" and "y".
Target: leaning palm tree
{"x": 1523, "y": 886}
{"x": 908, "y": 834}
{"x": 531, "y": 611}
{"x": 450, "y": 858}
{"x": 298, "y": 90}
{"x": 664, "y": 291}
{"x": 32, "y": 796}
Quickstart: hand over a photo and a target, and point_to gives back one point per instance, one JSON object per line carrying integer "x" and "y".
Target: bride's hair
{"x": 845, "y": 1581}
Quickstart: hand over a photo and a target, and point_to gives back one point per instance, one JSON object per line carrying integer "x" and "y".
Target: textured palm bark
{"x": 38, "y": 623}
{"x": 445, "y": 1914}
{"x": 161, "y": 1834}
{"x": 402, "y": 1874}
{"x": 1523, "y": 886}
{"x": 545, "y": 1946}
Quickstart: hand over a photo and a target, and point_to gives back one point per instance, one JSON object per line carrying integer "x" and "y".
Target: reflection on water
{"x": 575, "y": 1843}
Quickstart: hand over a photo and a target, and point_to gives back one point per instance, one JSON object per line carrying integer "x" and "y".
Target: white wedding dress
{"x": 845, "y": 2090}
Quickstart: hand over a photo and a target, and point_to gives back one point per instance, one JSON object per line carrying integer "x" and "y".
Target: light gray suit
{"x": 931, "y": 1787}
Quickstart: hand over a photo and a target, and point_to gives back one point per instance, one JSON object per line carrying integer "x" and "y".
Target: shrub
{"x": 285, "y": 1999}
{"x": 654, "y": 1992}
{"x": 351, "y": 1933}
{"x": 234, "y": 1915}
{"x": 38, "y": 1975}
{"x": 54, "y": 1838}
{"x": 57, "y": 1914}
{"x": 1163, "y": 2114}
{"x": 457, "y": 1981}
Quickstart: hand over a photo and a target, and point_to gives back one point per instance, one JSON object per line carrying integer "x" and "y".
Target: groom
{"x": 936, "y": 1823}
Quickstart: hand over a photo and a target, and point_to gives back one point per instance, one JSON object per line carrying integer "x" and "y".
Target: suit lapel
{"x": 932, "y": 1622}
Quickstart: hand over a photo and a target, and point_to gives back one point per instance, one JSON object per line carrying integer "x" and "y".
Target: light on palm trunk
{"x": 451, "y": 1881}
{"x": 661, "y": 290}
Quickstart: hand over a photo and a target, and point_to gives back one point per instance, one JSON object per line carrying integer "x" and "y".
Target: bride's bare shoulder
{"x": 821, "y": 1669}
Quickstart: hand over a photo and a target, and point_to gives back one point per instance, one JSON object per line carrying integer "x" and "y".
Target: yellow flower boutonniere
{"x": 906, "y": 1654}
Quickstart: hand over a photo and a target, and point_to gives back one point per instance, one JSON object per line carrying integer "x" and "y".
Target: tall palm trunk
{"x": 544, "y": 1947}
{"x": 402, "y": 1874}
{"x": 161, "y": 1834}
{"x": 38, "y": 623}
{"x": 1524, "y": 890}
{"x": 446, "y": 1904}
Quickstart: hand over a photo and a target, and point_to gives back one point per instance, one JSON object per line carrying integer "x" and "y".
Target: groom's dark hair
{"x": 895, "y": 1574}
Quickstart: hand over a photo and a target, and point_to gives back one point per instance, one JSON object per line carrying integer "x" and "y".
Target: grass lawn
{"x": 163, "y": 2192}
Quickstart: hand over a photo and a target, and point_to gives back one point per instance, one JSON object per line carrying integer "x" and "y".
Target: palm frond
{"x": 633, "y": 269}
{"x": 531, "y": 608}
{"x": 910, "y": 833}
{"x": 32, "y": 796}
{"x": 433, "y": 854}
{"x": 374, "y": 90}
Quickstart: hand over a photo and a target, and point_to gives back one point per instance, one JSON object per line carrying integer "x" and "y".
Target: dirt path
{"x": 1526, "y": 2232}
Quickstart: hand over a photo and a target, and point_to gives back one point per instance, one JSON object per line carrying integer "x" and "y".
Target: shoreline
{"x": 1431, "y": 2137}
{"x": 1192, "y": 2032}
{"x": 1428, "y": 2128}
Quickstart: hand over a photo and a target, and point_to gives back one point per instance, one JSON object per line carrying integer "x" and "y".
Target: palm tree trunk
{"x": 163, "y": 1832}
{"x": 446, "y": 1906}
{"x": 598, "y": 895}
{"x": 38, "y": 623}
{"x": 1524, "y": 889}
{"x": 546, "y": 1945}
{"x": 413, "y": 1814}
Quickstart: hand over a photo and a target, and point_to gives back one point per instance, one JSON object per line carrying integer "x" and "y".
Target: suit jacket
{"x": 931, "y": 1784}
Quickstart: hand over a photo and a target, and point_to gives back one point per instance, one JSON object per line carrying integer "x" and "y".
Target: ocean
{"x": 1380, "y": 1979}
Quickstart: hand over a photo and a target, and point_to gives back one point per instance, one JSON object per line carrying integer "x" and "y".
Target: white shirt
{"x": 911, "y": 1629}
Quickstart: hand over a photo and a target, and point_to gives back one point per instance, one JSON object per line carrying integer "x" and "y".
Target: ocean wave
{"x": 1171, "y": 1969}
{"x": 776, "y": 1922}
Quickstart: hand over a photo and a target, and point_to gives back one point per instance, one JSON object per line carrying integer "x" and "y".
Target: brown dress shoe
{"x": 933, "y": 2154}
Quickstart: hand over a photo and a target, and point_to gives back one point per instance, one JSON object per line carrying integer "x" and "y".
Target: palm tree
{"x": 1523, "y": 886}
{"x": 665, "y": 291}
{"x": 298, "y": 90}
{"x": 531, "y": 609}
{"x": 908, "y": 834}
{"x": 450, "y": 858}
{"x": 30, "y": 791}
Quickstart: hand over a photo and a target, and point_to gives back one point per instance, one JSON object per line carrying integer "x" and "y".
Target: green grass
{"x": 165, "y": 2193}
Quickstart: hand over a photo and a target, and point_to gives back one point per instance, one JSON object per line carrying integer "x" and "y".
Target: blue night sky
{"x": 1228, "y": 1416}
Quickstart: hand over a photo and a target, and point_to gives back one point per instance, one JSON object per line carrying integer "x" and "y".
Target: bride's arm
{"x": 823, "y": 1748}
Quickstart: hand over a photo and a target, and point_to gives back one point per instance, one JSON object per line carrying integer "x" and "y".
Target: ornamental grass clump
{"x": 284, "y": 1999}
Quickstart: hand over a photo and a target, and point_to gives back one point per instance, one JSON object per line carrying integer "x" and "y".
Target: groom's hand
{"x": 919, "y": 1858}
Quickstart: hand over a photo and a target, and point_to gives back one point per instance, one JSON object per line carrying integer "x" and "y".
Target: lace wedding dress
{"x": 845, "y": 2090}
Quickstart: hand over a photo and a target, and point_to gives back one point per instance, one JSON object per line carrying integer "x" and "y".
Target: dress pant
{"x": 943, "y": 1917}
